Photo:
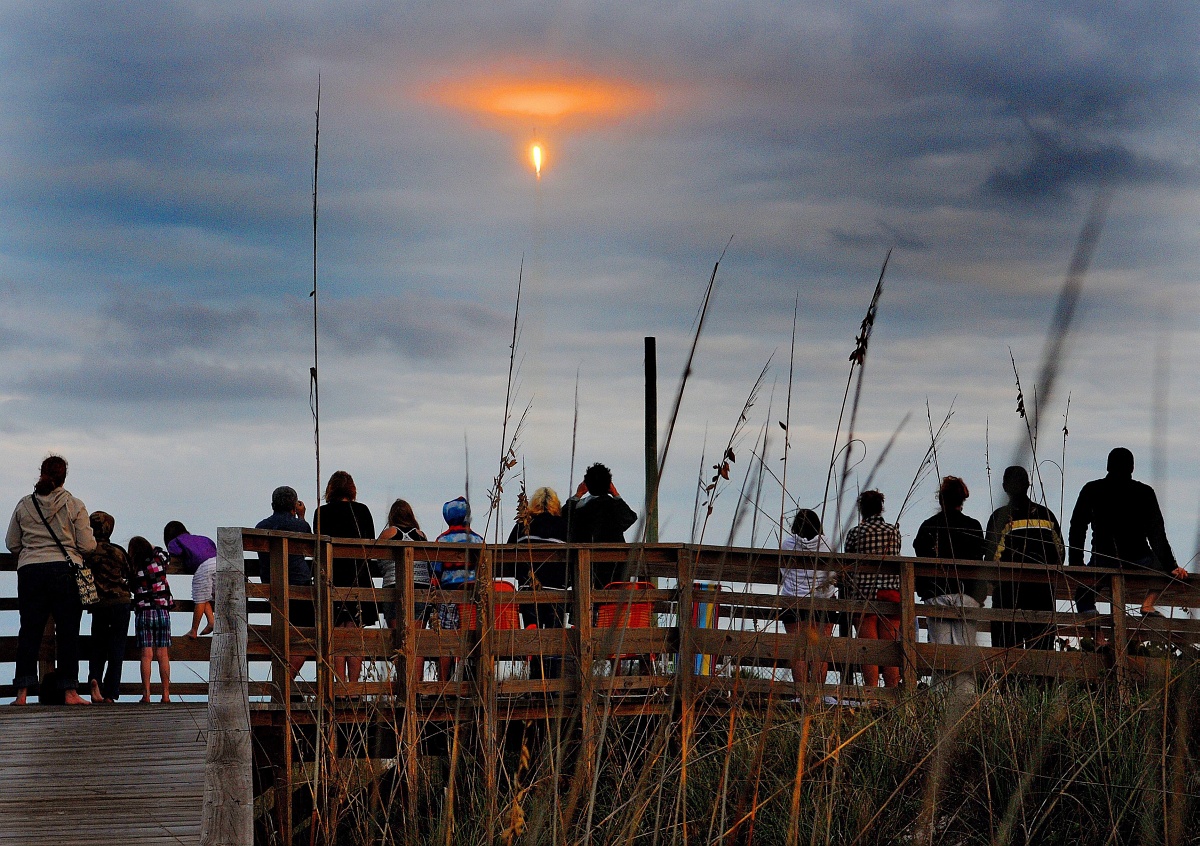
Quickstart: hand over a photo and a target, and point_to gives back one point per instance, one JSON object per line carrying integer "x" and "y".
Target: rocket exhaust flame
{"x": 536, "y": 154}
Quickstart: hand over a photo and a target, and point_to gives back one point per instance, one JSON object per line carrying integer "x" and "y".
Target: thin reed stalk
{"x": 508, "y": 458}
{"x": 786, "y": 424}
{"x": 721, "y": 469}
{"x": 858, "y": 360}
{"x": 673, "y": 419}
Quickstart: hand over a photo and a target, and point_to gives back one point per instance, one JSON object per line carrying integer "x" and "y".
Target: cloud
{"x": 140, "y": 381}
{"x": 1052, "y": 163}
{"x": 445, "y": 330}
{"x": 159, "y": 157}
{"x": 161, "y": 321}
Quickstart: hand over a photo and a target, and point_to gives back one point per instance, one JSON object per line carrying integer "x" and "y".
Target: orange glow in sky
{"x": 544, "y": 100}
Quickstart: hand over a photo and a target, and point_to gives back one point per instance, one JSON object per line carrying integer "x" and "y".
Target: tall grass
{"x": 1021, "y": 764}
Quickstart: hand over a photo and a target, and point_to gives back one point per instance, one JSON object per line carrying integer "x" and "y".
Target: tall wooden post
{"x": 281, "y": 679}
{"x": 228, "y": 789}
{"x": 410, "y": 667}
{"x": 685, "y": 674}
{"x": 1120, "y": 636}
{"x": 324, "y": 796}
{"x": 651, "y": 441}
{"x": 909, "y": 674}
{"x": 486, "y": 590}
{"x": 588, "y": 725}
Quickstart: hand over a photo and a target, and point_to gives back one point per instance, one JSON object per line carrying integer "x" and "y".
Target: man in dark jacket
{"x": 597, "y": 514}
{"x": 287, "y": 515}
{"x": 1127, "y": 530}
{"x": 1023, "y": 532}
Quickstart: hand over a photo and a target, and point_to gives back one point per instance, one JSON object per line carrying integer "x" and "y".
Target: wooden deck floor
{"x": 120, "y": 774}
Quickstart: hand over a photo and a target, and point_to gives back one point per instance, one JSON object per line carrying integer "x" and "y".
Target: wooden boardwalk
{"x": 120, "y": 774}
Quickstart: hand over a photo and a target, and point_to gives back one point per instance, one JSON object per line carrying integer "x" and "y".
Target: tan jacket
{"x": 29, "y": 540}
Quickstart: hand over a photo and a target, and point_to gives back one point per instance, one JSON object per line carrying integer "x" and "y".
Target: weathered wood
{"x": 1120, "y": 636}
{"x": 411, "y": 667}
{"x": 281, "y": 675}
{"x": 228, "y": 789}
{"x": 588, "y": 723}
{"x": 486, "y": 586}
{"x": 131, "y": 775}
{"x": 685, "y": 672}
{"x": 908, "y": 630}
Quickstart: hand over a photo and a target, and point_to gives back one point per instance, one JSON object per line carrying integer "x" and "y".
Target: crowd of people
{"x": 595, "y": 514}
{"x": 1127, "y": 532}
{"x": 66, "y": 561}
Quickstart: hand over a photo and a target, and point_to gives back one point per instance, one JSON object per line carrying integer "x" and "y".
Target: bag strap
{"x": 46, "y": 523}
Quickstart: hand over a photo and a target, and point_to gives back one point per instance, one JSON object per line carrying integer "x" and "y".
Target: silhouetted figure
{"x": 454, "y": 575}
{"x": 597, "y": 514}
{"x": 952, "y": 534}
{"x": 1127, "y": 529}
{"x": 807, "y": 583}
{"x": 342, "y": 516}
{"x": 49, "y": 533}
{"x": 287, "y": 515}
{"x": 113, "y": 573}
{"x": 1023, "y": 532}
{"x": 873, "y": 536}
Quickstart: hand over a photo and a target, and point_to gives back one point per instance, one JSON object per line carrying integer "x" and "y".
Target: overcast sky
{"x": 156, "y": 246}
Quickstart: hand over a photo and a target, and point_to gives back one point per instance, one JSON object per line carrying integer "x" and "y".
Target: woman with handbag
{"x": 49, "y": 533}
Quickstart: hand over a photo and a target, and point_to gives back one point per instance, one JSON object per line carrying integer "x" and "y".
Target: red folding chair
{"x": 508, "y": 613}
{"x": 627, "y": 615}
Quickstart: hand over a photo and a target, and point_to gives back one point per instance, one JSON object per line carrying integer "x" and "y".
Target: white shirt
{"x": 804, "y": 582}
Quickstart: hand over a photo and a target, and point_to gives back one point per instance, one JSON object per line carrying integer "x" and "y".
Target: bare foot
{"x": 191, "y": 635}
{"x": 166, "y": 699}
{"x": 206, "y": 630}
{"x": 97, "y": 696}
{"x": 20, "y": 700}
{"x": 72, "y": 697}
{"x": 145, "y": 700}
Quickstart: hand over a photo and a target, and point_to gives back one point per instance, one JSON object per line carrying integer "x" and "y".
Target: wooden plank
{"x": 582, "y": 614}
{"x": 685, "y": 672}
{"x": 908, "y": 629}
{"x": 485, "y": 587}
{"x": 1120, "y": 637}
{"x": 228, "y": 791}
{"x": 281, "y": 675}
{"x": 69, "y": 776}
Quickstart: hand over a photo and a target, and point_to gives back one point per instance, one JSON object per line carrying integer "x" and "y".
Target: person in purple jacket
{"x": 198, "y": 556}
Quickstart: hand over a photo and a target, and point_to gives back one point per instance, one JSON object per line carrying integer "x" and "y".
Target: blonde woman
{"x": 541, "y": 521}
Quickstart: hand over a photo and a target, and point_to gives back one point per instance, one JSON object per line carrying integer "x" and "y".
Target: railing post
{"x": 325, "y": 751}
{"x": 322, "y": 590}
{"x": 685, "y": 672}
{"x": 281, "y": 678}
{"x": 228, "y": 789}
{"x": 1120, "y": 636}
{"x": 281, "y": 641}
{"x": 582, "y": 614}
{"x": 411, "y": 667}
{"x": 909, "y": 676}
{"x": 487, "y": 683}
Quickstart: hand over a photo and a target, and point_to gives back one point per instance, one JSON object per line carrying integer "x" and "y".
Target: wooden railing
{"x": 745, "y": 645}
{"x": 688, "y": 663}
